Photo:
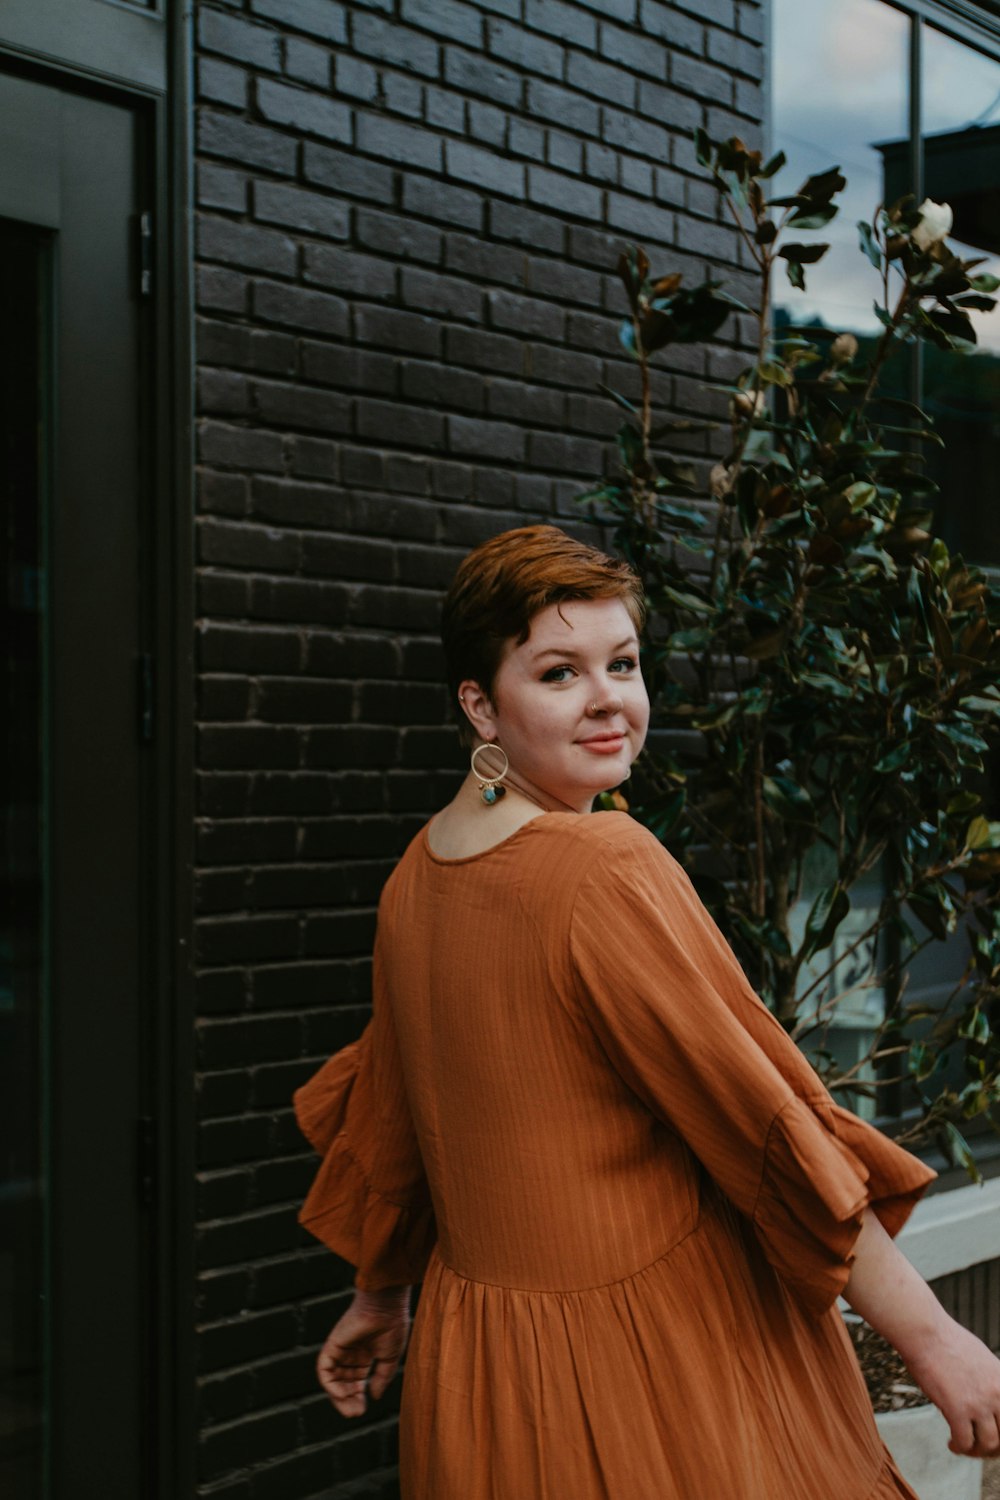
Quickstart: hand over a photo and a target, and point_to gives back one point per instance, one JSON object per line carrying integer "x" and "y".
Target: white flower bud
{"x": 843, "y": 349}
{"x": 749, "y": 405}
{"x": 935, "y": 224}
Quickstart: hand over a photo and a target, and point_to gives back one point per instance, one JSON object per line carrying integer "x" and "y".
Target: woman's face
{"x": 569, "y": 705}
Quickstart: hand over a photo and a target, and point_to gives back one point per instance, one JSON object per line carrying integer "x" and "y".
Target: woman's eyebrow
{"x": 568, "y": 650}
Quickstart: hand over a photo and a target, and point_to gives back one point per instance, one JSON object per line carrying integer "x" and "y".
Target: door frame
{"x": 58, "y": 46}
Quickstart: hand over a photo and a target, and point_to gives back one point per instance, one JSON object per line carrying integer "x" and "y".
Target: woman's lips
{"x": 604, "y": 744}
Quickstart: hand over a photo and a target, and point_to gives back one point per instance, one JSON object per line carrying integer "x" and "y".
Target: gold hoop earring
{"x": 489, "y": 786}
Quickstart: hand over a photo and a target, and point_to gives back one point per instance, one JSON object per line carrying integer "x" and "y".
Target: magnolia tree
{"x": 824, "y": 670}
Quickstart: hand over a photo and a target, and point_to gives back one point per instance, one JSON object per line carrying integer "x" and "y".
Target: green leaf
{"x": 703, "y": 147}
{"x": 975, "y": 1028}
{"x": 770, "y": 168}
{"x": 813, "y": 218}
{"x": 622, "y": 401}
{"x": 806, "y": 255}
{"x": 977, "y": 835}
{"x": 826, "y": 914}
{"x": 869, "y": 244}
{"x": 985, "y": 282}
{"x": 788, "y": 799}
{"x": 894, "y": 759}
{"x": 956, "y": 1148}
{"x": 796, "y": 275}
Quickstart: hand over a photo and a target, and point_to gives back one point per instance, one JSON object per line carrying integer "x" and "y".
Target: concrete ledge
{"x": 917, "y": 1438}
{"x": 952, "y": 1231}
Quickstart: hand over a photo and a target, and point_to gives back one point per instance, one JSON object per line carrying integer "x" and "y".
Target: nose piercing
{"x": 595, "y": 708}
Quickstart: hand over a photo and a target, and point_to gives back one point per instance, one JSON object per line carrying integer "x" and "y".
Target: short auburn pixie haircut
{"x": 504, "y": 583}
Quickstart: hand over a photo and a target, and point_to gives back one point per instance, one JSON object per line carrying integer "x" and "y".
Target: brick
{"x": 750, "y": 17}
{"x": 218, "y": 290}
{"x": 459, "y": 22}
{"x": 224, "y": 494}
{"x": 237, "y": 140}
{"x": 389, "y": 42}
{"x": 353, "y": 369}
{"x": 533, "y": 53}
{"x": 550, "y": 102}
{"x": 222, "y": 82}
{"x": 302, "y": 210}
{"x": 447, "y": 296}
{"x": 601, "y": 162}
{"x": 400, "y": 424}
{"x": 518, "y": 401}
{"x": 445, "y": 387}
{"x": 219, "y": 700}
{"x": 564, "y": 152}
{"x": 487, "y": 123}
{"x": 232, "y": 747}
{"x": 432, "y": 199}
{"x": 358, "y": 80}
{"x": 221, "y": 187}
{"x": 566, "y": 282}
{"x": 474, "y": 256}
{"x": 524, "y": 226}
{"x": 484, "y": 351}
{"x": 566, "y": 455}
{"x": 239, "y": 447}
{"x": 444, "y": 110}
{"x": 401, "y": 95}
{"x": 475, "y": 74}
{"x": 295, "y": 406}
{"x": 562, "y": 366}
{"x": 223, "y": 392}
{"x": 241, "y": 545}
{"x": 565, "y": 194}
{"x": 306, "y": 62}
{"x": 527, "y": 316}
{"x": 378, "y": 135}
{"x": 316, "y": 312}
{"x": 708, "y": 83}
{"x": 525, "y": 139}
{"x": 637, "y": 177}
{"x": 304, "y": 110}
{"x": 668, "y": 108}
{"x": 342, "y": 172}
{"x": 608, "y": 84}
{"x": 392, "y": 329}
{"x": 491, "y": 172}
{"x": 641, "y": 54}
{"x": 234, "y": 37}
{"x": 349, "y": 271}
{"x": 247, "y": 649}
{"x": 617, "y": 10}
{"x": 315, "y": 458}
{"x": 321, "y": 18}
{"x": 486, "y": 439}
{"x": 671, "y": 25}
{"x": 562, "y": 20}
{"x": 630, "y": 133}
{"x": 246, "y": 245}
{"x": 404, "y": 239}
{"x": 348, "y": 557}
{"x": 735, "y": 54}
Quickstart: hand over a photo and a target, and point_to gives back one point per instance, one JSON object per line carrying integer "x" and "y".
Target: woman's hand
{"x": 952, "y": 1367}
{"x": 364, "y": 1347}
{"x": 962, "y": 1378}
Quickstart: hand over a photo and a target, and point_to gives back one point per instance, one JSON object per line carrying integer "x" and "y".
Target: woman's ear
{"x": 478, "y": 709}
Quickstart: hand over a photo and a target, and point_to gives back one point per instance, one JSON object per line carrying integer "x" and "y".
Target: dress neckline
{"x": 466, "y": 859}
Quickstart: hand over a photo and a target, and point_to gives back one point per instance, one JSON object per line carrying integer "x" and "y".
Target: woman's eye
{"x": 554, "y": 674}
{"x": 624, "y": 664}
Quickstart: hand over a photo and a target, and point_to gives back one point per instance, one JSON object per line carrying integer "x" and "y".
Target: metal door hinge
{"x": 146, "y": 699}
{"x": 146, "y": 254}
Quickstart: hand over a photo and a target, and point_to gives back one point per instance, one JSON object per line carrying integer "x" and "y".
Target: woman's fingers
{"x": 987, "y": 1434}
{"x": 384, "y": 1370}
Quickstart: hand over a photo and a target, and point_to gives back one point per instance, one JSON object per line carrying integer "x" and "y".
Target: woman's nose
{"x": 609, "y": 705}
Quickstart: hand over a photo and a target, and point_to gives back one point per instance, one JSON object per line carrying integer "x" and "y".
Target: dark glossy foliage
{"x": 835, "y": 668}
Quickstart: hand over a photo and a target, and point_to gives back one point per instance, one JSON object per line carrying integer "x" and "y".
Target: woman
{"x": 630, "y": 1200}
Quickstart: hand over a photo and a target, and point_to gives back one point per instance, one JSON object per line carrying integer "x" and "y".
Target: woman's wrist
{"x": 386, "y": 1299}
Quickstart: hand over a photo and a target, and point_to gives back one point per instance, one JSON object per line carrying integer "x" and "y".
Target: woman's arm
{"x": 954, "y": 1368}
{"x": 364, "y": 1347}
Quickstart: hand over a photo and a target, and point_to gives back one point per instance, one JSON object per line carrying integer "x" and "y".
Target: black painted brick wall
{"x": 408, "y": 218}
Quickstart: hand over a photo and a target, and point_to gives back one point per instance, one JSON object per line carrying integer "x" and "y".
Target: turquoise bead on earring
{"x": 490, "y": 787}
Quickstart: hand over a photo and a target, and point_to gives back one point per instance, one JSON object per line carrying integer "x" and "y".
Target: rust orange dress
{"x": 630, "y": 1199}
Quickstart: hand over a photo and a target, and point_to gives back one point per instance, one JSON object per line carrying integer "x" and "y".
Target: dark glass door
{"x": 75, "y": 1266}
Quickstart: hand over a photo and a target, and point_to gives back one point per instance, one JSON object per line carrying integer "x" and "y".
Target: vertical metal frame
{"x": 168, "y": 578}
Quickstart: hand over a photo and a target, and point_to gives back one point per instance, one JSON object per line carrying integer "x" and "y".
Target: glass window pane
{"x": 961, "y": 145}
{"x": 834, "y": 101}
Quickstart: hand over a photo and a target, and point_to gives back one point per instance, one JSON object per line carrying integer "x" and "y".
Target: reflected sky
{"x": 840, "y": 71}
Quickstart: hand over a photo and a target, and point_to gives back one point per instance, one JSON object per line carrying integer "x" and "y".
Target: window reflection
{"x": 842, "y": 97}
